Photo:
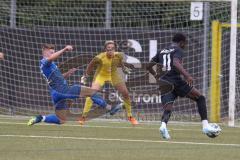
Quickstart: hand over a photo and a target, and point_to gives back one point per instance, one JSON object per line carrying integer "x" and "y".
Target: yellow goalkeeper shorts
{"x": 114, "y": 79}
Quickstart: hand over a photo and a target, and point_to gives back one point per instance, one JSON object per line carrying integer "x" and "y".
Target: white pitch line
{"x": 121, "y": 140}
{"x": 102, "y": 126}
{"x": 78, "y": 125}
{"x": 94, "y": 126}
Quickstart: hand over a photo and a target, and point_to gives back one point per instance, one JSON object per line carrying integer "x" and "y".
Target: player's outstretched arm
{"x": 57, "y": 54}
{"x": 128, "y": 65}
{"x": 1, "y": 56}
{"x": 89, "y": 70}
{"x": 149, "y": 67}
{"x": 69, "y": 72}
{"x": 178, "y": 65}
{"x": 91, "y": 66}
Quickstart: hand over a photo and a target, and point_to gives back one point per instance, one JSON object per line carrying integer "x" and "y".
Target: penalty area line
{"x": 120, "y": 140}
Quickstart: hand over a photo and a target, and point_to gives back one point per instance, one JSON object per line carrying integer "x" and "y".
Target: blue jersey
{"x": 165, "y": 58}
{"x": 52, "y": 74}
{"x": 59, "y": 89}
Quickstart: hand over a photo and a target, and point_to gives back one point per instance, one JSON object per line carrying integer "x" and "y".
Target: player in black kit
{"x": 170, "y": 59}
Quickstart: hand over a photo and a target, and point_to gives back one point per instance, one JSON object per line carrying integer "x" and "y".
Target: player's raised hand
{"x": 69, "y": 48}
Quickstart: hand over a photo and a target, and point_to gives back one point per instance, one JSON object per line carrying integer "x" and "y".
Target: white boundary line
{"x": 152, "y": 127}
{"x": 7, "y": 117}
{"x": 120, "y": 140}
{"x": 94, "y": 126}
{"x": 99, "y": 120}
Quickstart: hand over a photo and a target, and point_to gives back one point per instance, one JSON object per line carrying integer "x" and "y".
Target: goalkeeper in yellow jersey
{"x": 107, "y": 63}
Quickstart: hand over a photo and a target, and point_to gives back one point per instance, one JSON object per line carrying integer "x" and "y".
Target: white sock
{"x": 43, "y": 118}
{"x": 108, "y": 107}
{"x": 204, "y": 123}
{"x": 163, "y": 124}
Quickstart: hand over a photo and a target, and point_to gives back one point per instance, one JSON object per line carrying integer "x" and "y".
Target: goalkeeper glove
{"x": 84, "y": 79}
{"x": 127, "y": 70}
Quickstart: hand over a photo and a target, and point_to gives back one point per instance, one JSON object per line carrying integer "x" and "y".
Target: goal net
{"x": 147, "y": 25}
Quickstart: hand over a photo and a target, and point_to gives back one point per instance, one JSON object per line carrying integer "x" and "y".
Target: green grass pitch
{"x": 100, "y": 140}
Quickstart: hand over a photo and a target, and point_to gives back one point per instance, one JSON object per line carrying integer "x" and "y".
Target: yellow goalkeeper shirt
{"x": 107, "y": 68}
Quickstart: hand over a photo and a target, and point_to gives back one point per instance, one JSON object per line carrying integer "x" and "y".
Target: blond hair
{"x": 110, "y": 42}
{"x": 48, "y": 46}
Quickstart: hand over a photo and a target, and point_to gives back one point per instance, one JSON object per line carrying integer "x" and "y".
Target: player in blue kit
{"x": 60, "y": 90}
{"x": 170, "y": 60}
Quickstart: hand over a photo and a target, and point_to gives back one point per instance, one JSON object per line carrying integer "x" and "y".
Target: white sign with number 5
{"x": 196, "y": 11}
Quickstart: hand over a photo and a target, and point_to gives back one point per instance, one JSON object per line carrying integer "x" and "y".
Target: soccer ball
{"x": 217, "y": 127}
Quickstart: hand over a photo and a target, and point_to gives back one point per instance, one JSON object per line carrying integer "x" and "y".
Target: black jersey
{"x": 165, "y": 59}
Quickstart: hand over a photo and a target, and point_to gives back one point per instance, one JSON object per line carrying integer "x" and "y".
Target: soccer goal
{"x": 141, "y": 28}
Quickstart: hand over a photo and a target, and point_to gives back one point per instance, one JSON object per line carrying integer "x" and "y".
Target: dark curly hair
{"x": 179, "y": 37}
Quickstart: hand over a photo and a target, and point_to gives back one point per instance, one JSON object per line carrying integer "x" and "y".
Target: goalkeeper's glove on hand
{"x": 127, "y": 70}
{"x": 84, "y": 79}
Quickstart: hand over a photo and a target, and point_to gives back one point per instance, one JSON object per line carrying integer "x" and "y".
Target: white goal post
{"x": 233, "y": 52}
{"x": 147, "y": 24}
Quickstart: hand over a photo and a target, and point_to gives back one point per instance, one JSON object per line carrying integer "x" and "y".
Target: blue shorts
{"x": 180, "y": 88}
{"x": 60, "y": 98}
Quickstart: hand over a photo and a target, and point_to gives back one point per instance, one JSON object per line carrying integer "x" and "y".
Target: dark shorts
{"x": 60, "y": 98}
{"x": 180, "y": 88}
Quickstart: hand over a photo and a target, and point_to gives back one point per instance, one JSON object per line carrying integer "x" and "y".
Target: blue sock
{"x": 51, "y": 118}
{"x": 99, "y": 100}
